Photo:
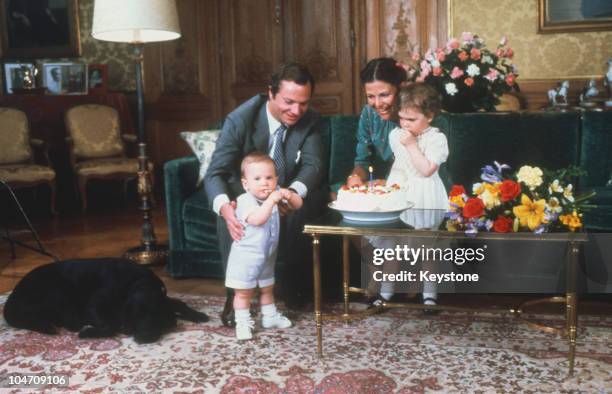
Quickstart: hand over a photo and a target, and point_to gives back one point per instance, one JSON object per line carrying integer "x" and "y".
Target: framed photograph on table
{"x": 14, "y": 74}
{"x": 65, "y": 78}
{"x": 39, "y": 28}
{"x": 97, "y": 78}
{"x": 563, "y": 16}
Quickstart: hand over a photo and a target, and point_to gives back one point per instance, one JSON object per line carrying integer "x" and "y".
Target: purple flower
{"x": 540, "y": 229}
{"x": 492, "y": 175}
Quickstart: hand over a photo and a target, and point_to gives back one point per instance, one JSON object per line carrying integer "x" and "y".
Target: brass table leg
{"x": 316, "y": 271}
{"x": 571, "y": 306}
{"x": 345, "y": 273}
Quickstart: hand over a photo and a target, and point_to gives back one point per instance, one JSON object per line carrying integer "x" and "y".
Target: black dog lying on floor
{"x": 97, "y": 298}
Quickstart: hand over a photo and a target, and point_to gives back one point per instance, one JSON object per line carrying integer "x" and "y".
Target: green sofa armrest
{"x": 180, "y": 177}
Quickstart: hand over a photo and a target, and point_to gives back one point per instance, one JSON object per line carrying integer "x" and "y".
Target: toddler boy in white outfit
{"x": 252, "y": 258}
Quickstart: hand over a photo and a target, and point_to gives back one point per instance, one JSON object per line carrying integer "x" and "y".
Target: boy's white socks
{"x": 430, "y": 290}
{"x": 387, "y": 290}
{"x": 268, "y": 310}
{"x": 242, "y": 314}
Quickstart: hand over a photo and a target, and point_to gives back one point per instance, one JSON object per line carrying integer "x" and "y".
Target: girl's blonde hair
{"x": 421, "y": 97}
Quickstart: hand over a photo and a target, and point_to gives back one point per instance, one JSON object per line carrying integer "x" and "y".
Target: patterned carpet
{"x": 399, "y": 351}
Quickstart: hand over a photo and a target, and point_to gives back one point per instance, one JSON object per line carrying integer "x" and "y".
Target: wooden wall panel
{"x": 251, "y": 35}
{"x": 181, "y": 81}
{"x": 321, "y": 39}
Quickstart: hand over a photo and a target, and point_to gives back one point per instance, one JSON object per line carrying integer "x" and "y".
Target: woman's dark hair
{"x": 422, "y": 97}
{"x": 294, "y": 72}
{"x": 384, "y": 69}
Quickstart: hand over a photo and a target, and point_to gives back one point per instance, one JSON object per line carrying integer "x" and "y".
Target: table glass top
{"x": 419, "y": 223}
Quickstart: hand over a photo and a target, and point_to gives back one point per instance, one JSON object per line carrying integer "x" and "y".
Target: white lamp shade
{"x": 135, "y": 21}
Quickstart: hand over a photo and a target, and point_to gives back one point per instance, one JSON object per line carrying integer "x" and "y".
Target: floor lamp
{"x": 137, "y": 22}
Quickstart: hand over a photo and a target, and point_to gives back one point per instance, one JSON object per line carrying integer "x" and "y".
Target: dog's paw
{"x": 200, "y": 317}
{"x": 87, "y": 332}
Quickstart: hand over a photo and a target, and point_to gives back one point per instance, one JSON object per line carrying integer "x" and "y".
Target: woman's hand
{"x": 354, "y": 180}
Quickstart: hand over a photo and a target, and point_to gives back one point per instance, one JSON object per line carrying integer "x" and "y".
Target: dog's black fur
{"x": 97, "y": 298}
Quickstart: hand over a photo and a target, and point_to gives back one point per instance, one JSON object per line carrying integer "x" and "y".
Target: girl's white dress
{"x": 425, "y": 192}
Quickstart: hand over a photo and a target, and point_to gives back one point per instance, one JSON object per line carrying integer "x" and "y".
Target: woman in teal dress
{"x": 381, "y": 79}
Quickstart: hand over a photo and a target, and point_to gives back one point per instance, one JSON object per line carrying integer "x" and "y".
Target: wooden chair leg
{"x": 53, "y": 197}
{"x": 83, "y": 192}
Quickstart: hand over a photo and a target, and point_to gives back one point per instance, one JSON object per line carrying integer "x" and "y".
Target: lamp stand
{"x": 149, "y": 252}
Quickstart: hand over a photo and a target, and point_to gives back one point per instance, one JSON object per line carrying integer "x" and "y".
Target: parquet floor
{"x": 96, "y": 234}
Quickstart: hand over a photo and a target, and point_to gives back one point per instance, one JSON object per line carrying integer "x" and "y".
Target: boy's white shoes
{"x": 275, "y": 321}
{"x": 244, "y": 329}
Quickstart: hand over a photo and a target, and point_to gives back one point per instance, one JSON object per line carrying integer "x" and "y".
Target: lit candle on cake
{"x": 371, "y": 170}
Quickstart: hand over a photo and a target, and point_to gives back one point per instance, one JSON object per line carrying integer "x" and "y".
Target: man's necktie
{"x": 278, "y": 154}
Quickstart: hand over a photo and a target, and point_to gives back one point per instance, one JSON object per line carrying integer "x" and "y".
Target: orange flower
{"x": 469, "y": 81}
{"x": 463, "y": 56}
{"x": 510, "y": 79}
{"x": 437, "y": 71}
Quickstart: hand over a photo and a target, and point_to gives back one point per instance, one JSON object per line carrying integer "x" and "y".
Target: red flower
{"x": 502, "y": 224}
{"x": 463, "y": 56}
{"x": 475, "y": 54}
{"x": 509, "y": 53}
{"x": 509, "y": 190}
{"x": 469, "y": 81}
{"x": 474, "y": 207}
{"x": 457, "y": 190}
{"x": 510, "y": 79}
{"x": 437, "y": 71}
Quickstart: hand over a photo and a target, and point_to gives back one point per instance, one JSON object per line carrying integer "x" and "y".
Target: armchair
{"x": 97, "y": 149}
{"x": 18, "y": 164}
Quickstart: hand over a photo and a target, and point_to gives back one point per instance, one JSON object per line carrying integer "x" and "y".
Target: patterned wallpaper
{"x": 117, "y": 56}
{"x": 537, "y": 56}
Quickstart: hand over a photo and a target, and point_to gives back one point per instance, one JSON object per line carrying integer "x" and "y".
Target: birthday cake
{"x": 375, "y": 197}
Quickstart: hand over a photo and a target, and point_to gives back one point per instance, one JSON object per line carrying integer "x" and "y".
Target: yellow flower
{"x": 458, "y": 200}
{"x": 478, "y": 188}
{"x": 530, "y": 176}
{"x": 572, "y": 221}
{"x": 567, "y": 193}
{"x": 490, "y": 195}
{"x": 530, "y": 213}
{"x": 555, "y": 187}
{"x": 554, "y": 205}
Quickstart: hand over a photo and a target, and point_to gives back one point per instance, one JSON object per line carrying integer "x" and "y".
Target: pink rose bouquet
{"x": 469, "y": 76}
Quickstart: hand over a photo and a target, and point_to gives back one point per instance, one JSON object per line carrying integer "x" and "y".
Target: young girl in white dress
{"x": 419, "y": 150}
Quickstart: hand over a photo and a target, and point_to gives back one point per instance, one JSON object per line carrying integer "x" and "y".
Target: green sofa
{"x": 547, "y": 139}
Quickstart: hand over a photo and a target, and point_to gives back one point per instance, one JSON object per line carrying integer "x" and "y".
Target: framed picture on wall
{"x": 97, "y": 78}
{"x": 14, "y": 74}
{"x": 39, "y": 28}
{"x": 562, "y": 16}
{"x": 65, "y": 78}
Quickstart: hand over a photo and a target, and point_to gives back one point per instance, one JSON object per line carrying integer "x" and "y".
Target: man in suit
{"x": 281, "y": 124}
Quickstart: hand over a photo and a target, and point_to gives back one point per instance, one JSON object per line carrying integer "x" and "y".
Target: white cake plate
{"x": 379, "y": 216}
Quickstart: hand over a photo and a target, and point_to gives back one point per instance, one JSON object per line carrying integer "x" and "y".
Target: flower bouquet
{"x": 468, "y": 76}
{"x": 530, "y": 200}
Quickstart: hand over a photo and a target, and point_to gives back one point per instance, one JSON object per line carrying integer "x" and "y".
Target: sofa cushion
{"x": 549, "y": 140}
{"x": 478, "y": 139}
{"x": 200, "y": 222}
{"x": 595, "y": 149}
{"x": 202, "y": 143}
